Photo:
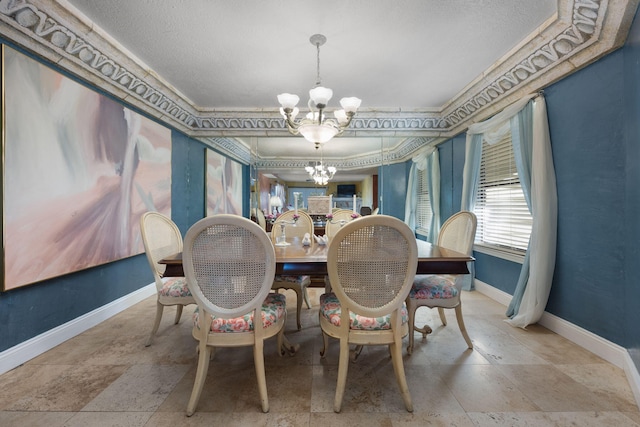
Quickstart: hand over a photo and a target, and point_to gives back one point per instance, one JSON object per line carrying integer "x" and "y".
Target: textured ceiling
{"x": 409, "y": 54}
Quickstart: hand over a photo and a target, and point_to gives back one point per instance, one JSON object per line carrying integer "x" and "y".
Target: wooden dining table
{"x": 296, "y": 259}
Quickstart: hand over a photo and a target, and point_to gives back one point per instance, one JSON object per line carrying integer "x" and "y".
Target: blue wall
{"x": 631, "y": 298}
{"x": 586, "y": 120}
{"x": 393, "y": 187}
{"x": 188, "y": 163}
{"x": 594, "y": 119}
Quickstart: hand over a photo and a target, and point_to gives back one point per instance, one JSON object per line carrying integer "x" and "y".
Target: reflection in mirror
{"x": 279, "y": 169}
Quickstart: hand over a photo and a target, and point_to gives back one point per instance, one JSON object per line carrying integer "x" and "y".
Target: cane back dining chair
{"x": 229, "y": 263}
{"x": 259, "y": 218}
{"x": 340, "y": 218}
{"x": 371, "y": 263}
{"x": 443, "y": 290}
{"x": 162, "y": 238}
{"x": 293, "y": 229}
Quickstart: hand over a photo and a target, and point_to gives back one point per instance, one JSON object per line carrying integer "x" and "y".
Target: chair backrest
{"x": 340, "y": 218}
{"x": 259, "y": 216}
{"x": 459, "y": 232}
{"x": 372, "y": 263}
{"x": 229, "y": 263}
{"x": 375, "y": 211}
{"x": 303, "y": 225}
{"x": 161, "y": 238}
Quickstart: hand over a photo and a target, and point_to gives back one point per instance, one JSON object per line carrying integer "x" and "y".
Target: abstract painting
{"x": 79, "y": 170}
{"x": 224, "y": 185}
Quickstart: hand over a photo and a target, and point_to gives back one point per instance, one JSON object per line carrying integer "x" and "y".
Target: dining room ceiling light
{"x": 315, "y": 126}
{"x": 320, "y": 174}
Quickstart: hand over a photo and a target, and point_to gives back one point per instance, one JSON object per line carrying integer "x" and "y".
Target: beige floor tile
{"x": 112, "y": 419}
{"x": 428, "y": 392}
{"x": 106, "y": 376}
{"x": 634, "y": 415}
{"x": 199, "y": 419}
{"x": 431, "y": 419}
{"x": 511, "y": 419}
{"x": 25, "y": 380}
{"x": 483, "y": 388}
{"x": 34, "y": 419}
{"x": 140, "y": 388}
{"x": 552, "y": 390}
{"x": 505, "y": 350}
{"x": 362, "y": 393}
{"x": 71, "y": 389}
{"x": 605, "y": 381}
{"x": 360, "y": 419}
{"x": 591, "y": 419}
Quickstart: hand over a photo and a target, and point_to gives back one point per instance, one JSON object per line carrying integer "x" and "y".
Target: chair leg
{"x": 398, "y": 369}
{"x": 156, "y": 323}
{"x": 298, "y": 291}
{"x": 343, "y": 367}
{"x": 179, "y": 308}
{"x": 412, "y": 323}
{"x": 258, "y": 360}
{"x": 443, "y": 318}
{"x": 325, "y": 345}
{"x": 305, "y": 294}
{"x": 201, "y": 374}
{"x": 463, "y": 329}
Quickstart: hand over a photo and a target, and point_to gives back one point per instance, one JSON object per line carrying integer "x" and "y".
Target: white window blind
{"x": 504, "y": 221}
{"x": 423, "y": 206}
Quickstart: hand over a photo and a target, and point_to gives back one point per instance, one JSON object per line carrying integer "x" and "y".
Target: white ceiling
{"x": 408, "y": 54}
{"x": 395, "y": 55}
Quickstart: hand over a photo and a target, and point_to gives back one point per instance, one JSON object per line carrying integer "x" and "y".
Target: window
{"x": 423, "y": 206}
{"x": 504, "y": 221}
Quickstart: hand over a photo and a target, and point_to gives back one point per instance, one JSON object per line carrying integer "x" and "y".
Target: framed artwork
{"x": 224, "y": 184}
{"x": 79, "y": 170}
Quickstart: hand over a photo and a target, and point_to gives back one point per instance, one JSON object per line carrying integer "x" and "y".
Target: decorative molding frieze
{"x": 229, "y": 147}
{"x": 399, "y": 153}
{"x": 582, "y": 31}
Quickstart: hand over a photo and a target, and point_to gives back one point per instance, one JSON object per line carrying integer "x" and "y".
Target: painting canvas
{"x": 224, "y": 185}
{"x": 79, "y": 170}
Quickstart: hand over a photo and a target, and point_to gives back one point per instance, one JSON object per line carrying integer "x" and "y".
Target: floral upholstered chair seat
{"x": 273, "y": 308}
{"x": 330, "y": 309}
{"x": 434, "y": 287}
{"x": 174, "y": 287}
{"x": 301, "y": 280}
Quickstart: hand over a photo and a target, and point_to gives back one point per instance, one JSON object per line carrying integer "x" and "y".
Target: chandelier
{"x": 315, "y": 127}
{"x": 318, "y": 172}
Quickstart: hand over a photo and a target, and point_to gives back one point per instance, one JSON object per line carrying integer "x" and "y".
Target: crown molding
{"x": 581, "y": 32}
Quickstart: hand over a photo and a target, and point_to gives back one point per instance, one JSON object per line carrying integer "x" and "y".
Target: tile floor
{"x": 106, "y": 377}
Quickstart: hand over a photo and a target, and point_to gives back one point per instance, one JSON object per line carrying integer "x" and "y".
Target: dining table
{"x": 297, "y": 259}
{"x": 294, "y": 258}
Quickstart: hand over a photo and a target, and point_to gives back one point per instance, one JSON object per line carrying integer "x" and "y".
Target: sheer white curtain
{"x": 433, "y": 169}
{"x": 427, "y": 161}
{"x": 527, "y": 121}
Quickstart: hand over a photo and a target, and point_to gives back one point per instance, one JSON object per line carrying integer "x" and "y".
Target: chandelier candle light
{"x": 317, "y": 171}
{"x": 315, "y": 127}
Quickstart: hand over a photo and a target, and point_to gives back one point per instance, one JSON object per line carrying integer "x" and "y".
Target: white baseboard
{"x": 27, "y": 350}
{"x": 612, "y": 353}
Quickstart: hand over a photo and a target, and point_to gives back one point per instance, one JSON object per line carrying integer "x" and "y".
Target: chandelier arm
{"x": 293, "y": 128}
